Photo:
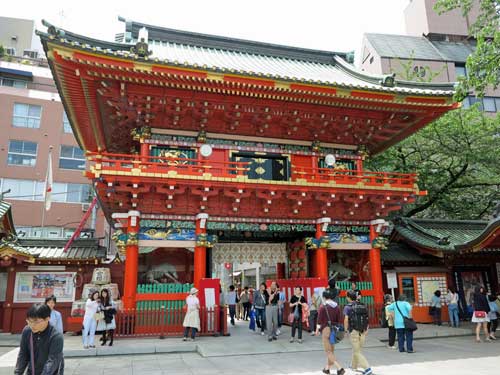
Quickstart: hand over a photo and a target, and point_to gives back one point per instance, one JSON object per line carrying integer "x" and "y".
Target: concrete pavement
{"x": 241, "y": 342}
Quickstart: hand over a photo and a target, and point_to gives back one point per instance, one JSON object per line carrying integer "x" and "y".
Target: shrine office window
{"x": 71, "y": 158}
{"x": 22, "y": 153}
{"x": 26, "y": 115}
{"x": 408, "y": 288}
{"x": 66, "y": 124}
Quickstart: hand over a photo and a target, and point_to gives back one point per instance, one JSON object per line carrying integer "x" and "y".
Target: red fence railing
{"x": 167, "y": 322}
{"x": 233, "y": 169}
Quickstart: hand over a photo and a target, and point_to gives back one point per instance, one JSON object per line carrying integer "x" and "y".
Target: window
{"x": 473, "y": 100}
{"x": 71, "y": 158}
{"x": 466, "y": 103}
{"x": 460, "y": 71}
{"x": 70, "y": 193}
{"x": 34, "y": 190}
{"x": 11, "y": 82}
{"x": 22, "y": 153}
{"x": 489, "y": 104}
{"x": 66, "y": 125}
{"x": 78, "y": 193}
{"x": 408, "y": 288}
{"x": 26, "y": 115}
{"x": 19, "y": 189}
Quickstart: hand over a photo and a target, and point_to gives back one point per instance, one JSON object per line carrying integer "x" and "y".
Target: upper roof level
{"x": 212, "y": 82}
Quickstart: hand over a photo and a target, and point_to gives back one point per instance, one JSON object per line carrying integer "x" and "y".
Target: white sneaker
{"x": 278, "y": 332}
{"x": 262, "y": 333}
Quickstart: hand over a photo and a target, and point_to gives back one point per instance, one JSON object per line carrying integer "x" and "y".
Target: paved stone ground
{"x": 250, "y": 353}
{"x": 457, "y": 355}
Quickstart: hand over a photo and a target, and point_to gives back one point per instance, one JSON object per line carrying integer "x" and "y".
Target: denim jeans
{"x": 260, "y": 319}
{"x": 453, "y": 313}
{"x": 280, "y": 315}
{"x": 193, "y": 332}
{"x": 232, "y": 313}
{"x": 405, "y": 335}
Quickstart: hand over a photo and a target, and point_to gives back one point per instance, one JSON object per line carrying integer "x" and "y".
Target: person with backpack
{"x": 402, "y": 309}
{"x": 356, "y": 324}
{"x": 329, "y": 316}
{"x": 387, "y": 321}
{"x": 41, "y": 348}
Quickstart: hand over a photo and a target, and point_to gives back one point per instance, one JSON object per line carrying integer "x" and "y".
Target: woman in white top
{"x": 89, "y": 322}
{"x": 452, "y": 300}
{"x": 192, "y": 318}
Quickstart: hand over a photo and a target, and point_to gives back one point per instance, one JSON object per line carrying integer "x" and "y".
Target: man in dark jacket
{"x": 41, "y": 345}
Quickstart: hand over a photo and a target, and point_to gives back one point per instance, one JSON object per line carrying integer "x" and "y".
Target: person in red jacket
{"x": 329, "y": 315}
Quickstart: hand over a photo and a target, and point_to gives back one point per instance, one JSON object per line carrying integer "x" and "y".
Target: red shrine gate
{"x": 191, "y": 135}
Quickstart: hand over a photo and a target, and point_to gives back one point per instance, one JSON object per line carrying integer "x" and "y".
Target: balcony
{"x": 182, "y": 185}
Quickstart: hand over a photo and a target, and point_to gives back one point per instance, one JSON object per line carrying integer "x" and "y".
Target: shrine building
{"x": 205, "y": 150}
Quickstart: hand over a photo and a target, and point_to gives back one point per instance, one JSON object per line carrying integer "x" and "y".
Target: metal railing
{"x": 164, "y": 322}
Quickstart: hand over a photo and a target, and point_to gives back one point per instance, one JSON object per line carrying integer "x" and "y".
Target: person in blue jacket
{"x": 402, "y": 308}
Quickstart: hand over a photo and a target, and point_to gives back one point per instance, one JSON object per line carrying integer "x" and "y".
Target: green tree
{"x": 457, "y": 160}
{"x": 483, "y": 65}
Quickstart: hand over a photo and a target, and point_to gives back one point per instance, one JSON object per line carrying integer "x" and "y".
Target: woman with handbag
{"x": 329, "y": 322}
{"x": 90, "y": 320}
{"x": 296, "y": 306}
{"x": 107, "y": 325}
{"x": 480, "y": 314}
{"x": 402, "y": 310}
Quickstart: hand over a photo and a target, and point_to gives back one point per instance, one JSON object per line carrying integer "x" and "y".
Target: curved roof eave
{"x": 372, "y": 82}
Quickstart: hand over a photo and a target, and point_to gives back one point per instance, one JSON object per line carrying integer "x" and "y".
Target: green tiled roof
{"x": 402, "y": 253}
{"x": 441, "y": 235}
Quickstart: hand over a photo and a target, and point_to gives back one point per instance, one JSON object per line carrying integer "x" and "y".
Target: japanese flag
{"x": 48, "y": 184}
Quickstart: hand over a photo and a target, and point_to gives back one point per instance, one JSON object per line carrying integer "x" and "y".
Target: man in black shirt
{"x": 41, "y": 345}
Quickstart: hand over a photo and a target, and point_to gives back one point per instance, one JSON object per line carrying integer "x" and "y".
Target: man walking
{"x": 272, "y": 312}
{"x": 260, "y": 300}
{"x": 231, "y": 302}
{"x": 41, "y": 348}
{"x": 356, "y": 324}
{"x": 245, "y": 301}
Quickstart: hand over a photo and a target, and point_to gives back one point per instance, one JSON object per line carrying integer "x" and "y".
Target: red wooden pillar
{"x": 375, "y": 264}
{"x": 321, "y": 258}
{"x": 280, "y": 271}
{"x": 131, "y": 260}
{"x": 9, "y": 300}
{"x": 144, "y": 152}
{"x": 200, "y": 252}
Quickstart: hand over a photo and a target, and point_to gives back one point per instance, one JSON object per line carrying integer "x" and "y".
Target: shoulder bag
{"x": 337, "y": 332}
{"x": 409, "y": 323}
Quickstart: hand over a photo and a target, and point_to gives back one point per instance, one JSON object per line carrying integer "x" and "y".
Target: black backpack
{"x": 358, "y": 317}
{"x": 383, "y": 319}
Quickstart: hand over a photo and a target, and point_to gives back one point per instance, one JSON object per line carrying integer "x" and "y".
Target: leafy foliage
{"x": 457, "y": 160}
{"x": 483, "y": 66}
{"x": 409, "y": 72}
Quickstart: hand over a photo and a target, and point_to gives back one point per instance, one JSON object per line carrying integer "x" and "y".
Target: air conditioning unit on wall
{"x": 85, "y": 207}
